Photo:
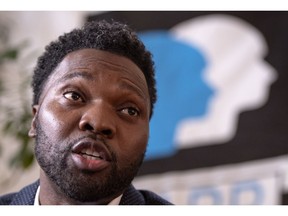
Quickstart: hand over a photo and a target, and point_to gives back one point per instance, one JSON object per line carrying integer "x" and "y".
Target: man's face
{"x": 92, "y": 125}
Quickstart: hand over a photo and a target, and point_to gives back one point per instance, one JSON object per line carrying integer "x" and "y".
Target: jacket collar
{"x": 26, "y": 196}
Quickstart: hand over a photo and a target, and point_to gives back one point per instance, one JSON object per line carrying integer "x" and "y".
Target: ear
{"x": 32, "y": 131}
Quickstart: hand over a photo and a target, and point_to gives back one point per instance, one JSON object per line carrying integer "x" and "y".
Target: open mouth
{"x": 92, "y": 155}
{"x": 91, "y": 149}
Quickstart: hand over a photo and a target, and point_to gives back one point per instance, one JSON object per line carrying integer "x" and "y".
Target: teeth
{"x": 90, "y": 153}
{"x": 90, "y": 157}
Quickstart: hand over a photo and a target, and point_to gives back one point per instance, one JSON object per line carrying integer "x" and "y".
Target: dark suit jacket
{"x": 131, "y": 196}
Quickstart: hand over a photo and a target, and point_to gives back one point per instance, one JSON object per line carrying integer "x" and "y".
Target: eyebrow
{"x": 85, "y": 75}
{"x": 126, "y": 86}
{"x": 123, "y": 85}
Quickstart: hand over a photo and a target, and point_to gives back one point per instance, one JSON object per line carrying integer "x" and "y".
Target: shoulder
{"x": 6, "y": 199}
{"x": 25, "y": 196}
{"x": 152, "y": 198}
{"x": 132, "y": 196}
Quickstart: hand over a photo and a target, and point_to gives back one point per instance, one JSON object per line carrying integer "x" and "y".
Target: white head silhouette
{"x": 237, "y": 71}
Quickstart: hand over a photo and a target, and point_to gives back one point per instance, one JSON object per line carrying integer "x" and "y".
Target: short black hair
{"x": 114, "y": 37}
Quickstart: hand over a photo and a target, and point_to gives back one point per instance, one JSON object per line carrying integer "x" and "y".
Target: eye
{"x": 130, "y": 111}
{"x": 72, "y": 96}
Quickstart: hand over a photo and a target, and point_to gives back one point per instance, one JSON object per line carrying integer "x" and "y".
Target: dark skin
{"x": 104, "y": 98}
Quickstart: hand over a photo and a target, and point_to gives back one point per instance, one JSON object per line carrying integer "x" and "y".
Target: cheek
{"x": 53, "y": 121}
{"x": 134, "y": 143}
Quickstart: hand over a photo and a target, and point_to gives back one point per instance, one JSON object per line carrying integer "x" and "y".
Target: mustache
{"x": 96, "y": 138}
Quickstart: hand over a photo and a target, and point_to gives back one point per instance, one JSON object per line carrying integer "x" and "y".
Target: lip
{"x": 91, "y": 155}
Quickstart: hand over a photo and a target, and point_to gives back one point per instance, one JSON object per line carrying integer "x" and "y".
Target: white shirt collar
{"x": 36, "y": 200}
{"x": 115, "y": 201}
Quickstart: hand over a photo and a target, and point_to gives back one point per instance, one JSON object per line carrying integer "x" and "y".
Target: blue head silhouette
{"x": 182, "y": 92}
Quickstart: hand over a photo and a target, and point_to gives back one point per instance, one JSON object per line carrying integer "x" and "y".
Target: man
{"x": 94, "y": 91}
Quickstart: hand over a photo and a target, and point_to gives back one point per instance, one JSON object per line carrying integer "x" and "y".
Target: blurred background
{"x": 219, "y": 131}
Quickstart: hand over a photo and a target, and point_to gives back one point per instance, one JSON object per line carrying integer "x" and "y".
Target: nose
{"x": 98, "y": 119}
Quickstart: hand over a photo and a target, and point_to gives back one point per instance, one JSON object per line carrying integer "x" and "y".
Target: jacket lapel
{"x": 132, "y": 197}
{"x": 26, "y": 196}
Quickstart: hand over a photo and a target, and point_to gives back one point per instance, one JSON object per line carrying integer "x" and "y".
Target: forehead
{"x": 94, "y": 60}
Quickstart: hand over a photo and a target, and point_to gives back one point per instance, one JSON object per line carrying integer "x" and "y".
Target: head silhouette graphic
{"x": 182, "y": 92}
{"x": 208, "y": 70}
